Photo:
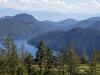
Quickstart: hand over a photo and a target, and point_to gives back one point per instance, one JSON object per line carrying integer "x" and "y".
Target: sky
{"x": 52, "y": 9}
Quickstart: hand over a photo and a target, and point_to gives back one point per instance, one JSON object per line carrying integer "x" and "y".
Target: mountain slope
{"x": 96, "y": 25}
{"x": 26, "y": 26}
{"x": 87, "y": 23}
{"x": 81, "y": 37}
{"x": 20, "y": 26}
{"x": 61, "y": 25}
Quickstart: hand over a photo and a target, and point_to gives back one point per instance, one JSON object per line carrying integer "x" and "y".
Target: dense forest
{"x": 65, "y": 62}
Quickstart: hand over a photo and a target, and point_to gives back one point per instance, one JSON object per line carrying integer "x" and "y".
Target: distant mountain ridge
{"x": 26, "y": 26}
{"x": 17, "y": 27}
{"x": 96, "y": 25}
{"x": 87, "y": 23}
{"x": 82, "y": 38}
{"x": 25, "y": 18}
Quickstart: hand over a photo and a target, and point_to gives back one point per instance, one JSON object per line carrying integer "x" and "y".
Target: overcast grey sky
{"x": 64, "y": 8}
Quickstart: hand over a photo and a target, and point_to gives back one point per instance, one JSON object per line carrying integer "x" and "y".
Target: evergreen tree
{"x": 49, "y": 61}
{"x": 83, "y": 57}
{"x": 62, "y": 59}
{"x": 28, "y": 61}
{"x": 98, "y": 57}
{"x": 22, "y": 52}
{"x": 21, "y": 70}
{"x": 2, "y": 65}
{"x": 8, "y": 44}
{"x": 11, "y": 56}
{"x": 93, "y": 62}
{"x": 72, "y": 60}
{"x": 40, "y": 56}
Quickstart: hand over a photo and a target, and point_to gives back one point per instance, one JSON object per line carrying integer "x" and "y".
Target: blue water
{"x": 20, "y": 42}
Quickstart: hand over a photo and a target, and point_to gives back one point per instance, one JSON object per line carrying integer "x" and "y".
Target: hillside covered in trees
{"x": 49, "y": 37}
{"x": 67, "y": 47}
{"x": 27, "y": 26}
{"x": 82, "y": 38}
{"x": 45, "y": 62}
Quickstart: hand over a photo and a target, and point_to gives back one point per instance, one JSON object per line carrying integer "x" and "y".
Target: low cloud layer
{"x": 61, "y": 6}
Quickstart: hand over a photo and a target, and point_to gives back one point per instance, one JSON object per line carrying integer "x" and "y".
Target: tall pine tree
{"x": 83, "y": 57}
{"x": 40, "y": 56}
{"x": 62, "y": 59}
{"x": 72, "y": 60}
{"x": 11, "y": 56}
{"x": 93, "y": 62}
{"x": 28, "y": 61}
{"x": 48, "y": 61}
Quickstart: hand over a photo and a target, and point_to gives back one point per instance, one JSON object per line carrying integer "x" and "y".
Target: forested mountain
{"x": 19, "y": 26}
{"x": 26, "y": 26}
{"x": 61, "y": 25}
{"x": 96, "y": 25}
{"x": 87, "y": 23}
{"x": 77, "y": 44}
{"x": 82, "y": 38}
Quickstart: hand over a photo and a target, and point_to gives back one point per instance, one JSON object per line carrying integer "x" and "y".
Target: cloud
{"x": 61, "y": 6}
{"x": 3, "y": 1}
{"x": 96, "y": 3}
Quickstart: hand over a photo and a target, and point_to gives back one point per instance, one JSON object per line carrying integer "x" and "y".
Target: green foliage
{"x": 72, "y": 60}
{"x": 93, "y": 62}
{"x": 40, "y": 56}
{"x": 45, "y": 63}
{"x": 49, "y": 62}
{"x": 62, "y": 59}
{"x": 28, "y": 61}
{"x": 83, "y": 57}
{"x": 40, "y": 53}
{"x": 11, "y": 58}
{"x": 21, "y": 70}
{"x": 98, "y": 57}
